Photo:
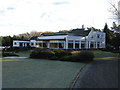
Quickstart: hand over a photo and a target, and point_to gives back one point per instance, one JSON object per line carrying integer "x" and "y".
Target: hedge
{"x": 63, "y": 55}
{"x": 42, "y": 54}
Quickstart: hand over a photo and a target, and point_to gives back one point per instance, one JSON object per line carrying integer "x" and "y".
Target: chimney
{"x": 83, "y": 27}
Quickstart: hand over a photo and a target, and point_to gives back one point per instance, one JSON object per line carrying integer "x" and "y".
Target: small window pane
{"x": 15, "y": 43}
{"x": 70, "y": 45}
{"x": 76, "y": 45}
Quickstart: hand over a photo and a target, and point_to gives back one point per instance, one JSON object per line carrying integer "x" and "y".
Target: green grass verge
{"x": 24, "y": 53}
{"x": 104, "y": 55}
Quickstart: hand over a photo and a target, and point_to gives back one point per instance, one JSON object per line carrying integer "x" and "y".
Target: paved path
{"x": 99, "y": 74}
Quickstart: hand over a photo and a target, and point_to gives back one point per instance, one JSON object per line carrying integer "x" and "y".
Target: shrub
{"x": 42, "y": 54}
{"x": 63, "y": 55}
{"x": 34, "y": 54}
{"x": 82, "y": 56}
{"x": 72, "y": 58}
{"x": 49, "y": 54}
{"x": 59, "y": 53}
{"x": 86, "y": 56}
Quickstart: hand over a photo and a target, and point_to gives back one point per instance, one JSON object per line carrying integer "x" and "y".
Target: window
{"x": 91, "y": 36}
{"x": 21, "y": 44}
{"x": 82, "y": 44}
{"x": 101, "y": 36}
{"x": 98, "y": 44}
{"x": 15, "y": 43}
{"x": 91, "y": 44}
{"x": 27, "y": 44}
{"x": 76, "y": 45}
{"x": 98, "y": 36}
{"x": 70, "y": 45}
{"x": 39, "y": 45}
{"x": 61, "y": 45}
{"x": 45, "y": 45}
{"x": 53, "y": 45}
{"x": 32, "y": 43}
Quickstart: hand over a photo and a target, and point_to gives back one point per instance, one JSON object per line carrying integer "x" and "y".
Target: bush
{"x": 63, "y": 55}
{"x": 72, "y": 58}
{"x": 60, "y": 53}
{"x": 86, "y": 56}
{"x": 49, "y": 54}
{"x": 42, "y": 54}
{"x": 82, "y": 56}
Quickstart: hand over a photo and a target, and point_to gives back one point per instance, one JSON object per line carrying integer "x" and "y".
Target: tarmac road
{"x": 99, "y": 74}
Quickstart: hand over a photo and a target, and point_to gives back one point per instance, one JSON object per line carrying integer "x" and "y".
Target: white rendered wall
{"x": 93, "y": 37}
{"x": 17, "y": 44}
{"x": 34, "y": 43}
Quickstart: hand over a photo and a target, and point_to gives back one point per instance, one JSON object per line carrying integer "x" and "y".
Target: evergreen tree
{"x": 116, "y": 38}
{"x": 107, "y": 32}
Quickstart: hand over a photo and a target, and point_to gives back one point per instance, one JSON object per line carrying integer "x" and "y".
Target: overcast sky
{"x": 20, "y": 16}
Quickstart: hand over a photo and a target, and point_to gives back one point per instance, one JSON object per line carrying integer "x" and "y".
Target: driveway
{"x": 99, "y": 74}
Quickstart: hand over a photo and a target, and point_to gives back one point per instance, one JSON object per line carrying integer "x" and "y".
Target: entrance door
{"x": 92, "y": 45}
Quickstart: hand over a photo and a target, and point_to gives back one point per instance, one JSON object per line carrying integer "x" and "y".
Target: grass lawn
{"x": 35, "y": 73}
{"x": 24, "y": 53}
{"x": 103, "y": 54}
{"x": 41, "y": 73}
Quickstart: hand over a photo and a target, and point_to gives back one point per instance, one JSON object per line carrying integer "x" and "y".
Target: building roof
{"x": 54, "y": 34}
{"x": 79, "y": 32}
{"x": 74, "y": 32}
{"x": 21, "y": 41}
{"x": 51, "y": 37}
{"x": 34, "y": 38}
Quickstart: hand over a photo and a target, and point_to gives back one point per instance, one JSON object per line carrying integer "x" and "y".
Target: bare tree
{"x": 115, "y": 10}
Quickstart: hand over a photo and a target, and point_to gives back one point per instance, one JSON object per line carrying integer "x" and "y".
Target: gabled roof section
{"x": 79, "y": 32}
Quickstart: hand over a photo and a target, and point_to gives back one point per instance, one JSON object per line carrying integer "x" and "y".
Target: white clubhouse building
{"x": 74, "y": 39}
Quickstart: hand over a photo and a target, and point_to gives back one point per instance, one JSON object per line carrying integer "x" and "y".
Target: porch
{"x": 70, "y": 44}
